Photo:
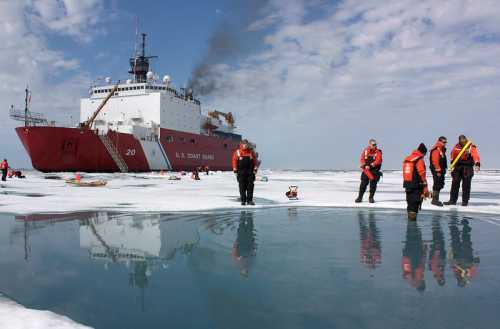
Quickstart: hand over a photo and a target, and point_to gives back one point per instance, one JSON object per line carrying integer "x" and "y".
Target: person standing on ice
{"x": 370, "y": 163}
{"x": 463, "y": 169}
{"x": 4, "y": 166}
{"x": 245, "y": 167}
{"x": 415, "y": 181}
{"x": 438, "y": 165}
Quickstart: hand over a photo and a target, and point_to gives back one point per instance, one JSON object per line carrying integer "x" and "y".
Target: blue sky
{"x": 309, "y": 81}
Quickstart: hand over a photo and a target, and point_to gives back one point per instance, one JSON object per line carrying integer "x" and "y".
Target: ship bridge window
{"x": 193, "y": 141}
{"x": 169, "y": 139}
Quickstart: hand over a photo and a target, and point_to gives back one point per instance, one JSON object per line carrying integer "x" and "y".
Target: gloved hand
{"x": 477, "y": 166}
{"x": 367, "y": 167}
{"x": 426, "y": 192}
{"x": 438, "y": 173}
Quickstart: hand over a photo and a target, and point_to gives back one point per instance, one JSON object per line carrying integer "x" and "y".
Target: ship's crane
{"x": 227, "y": 116}
{"x": 88, "y": 124}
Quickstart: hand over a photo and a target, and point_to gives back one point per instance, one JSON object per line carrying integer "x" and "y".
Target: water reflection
{"x": 414, "y": 254}
{"x": 370, "y": 246}
{"x": 245, "y": 247}
{"x": 437, "y": 254}
{"x": 462, "y": 260}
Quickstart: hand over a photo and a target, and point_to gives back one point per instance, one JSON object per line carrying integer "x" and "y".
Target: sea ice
{"x": 154, "y": 192}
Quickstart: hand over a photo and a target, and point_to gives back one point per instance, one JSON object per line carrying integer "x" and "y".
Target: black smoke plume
{"x": 231, "y": 40}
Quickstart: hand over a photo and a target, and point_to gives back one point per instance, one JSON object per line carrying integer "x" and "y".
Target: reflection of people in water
{"x": 245, "y": 246}
{"x": 462, "y": 260}
{"x": 437, "y": 254}
{"x": 414, "y": 254}
{"x": 370, "y": 249}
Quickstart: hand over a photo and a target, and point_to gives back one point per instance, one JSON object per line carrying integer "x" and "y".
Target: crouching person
{"x": 245, "y": 168}
{"x": 415, "y": 181}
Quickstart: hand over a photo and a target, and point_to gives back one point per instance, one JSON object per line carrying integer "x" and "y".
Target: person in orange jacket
{"x": 245, "y": 167}
{"x": 415, "y": 180}
{"x": 4, "y": 166}
{"x": 463, "y": 171}
{"x": 370, "y": 163}
{"x": 438, "y": 165}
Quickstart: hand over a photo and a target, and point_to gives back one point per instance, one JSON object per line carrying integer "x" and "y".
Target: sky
{"x": 310, "y": 81}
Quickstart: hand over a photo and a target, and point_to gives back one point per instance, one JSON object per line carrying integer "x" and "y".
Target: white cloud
{"x": 75, "y": 18}
{"x": 403, "y": 70}
{"x": 26, "y": 58}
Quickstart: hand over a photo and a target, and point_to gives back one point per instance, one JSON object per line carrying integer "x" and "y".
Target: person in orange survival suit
{"x": 4, "y": 166}
{"x": 437, "y": 254}
{"x": 463, "y": 171}
{"x": 245, "y": 167}
{"x": 371, "y": 163}
{"x": 414, "y": 254}
{"x": 462, "y": 259}
{"x": 415, "y": 181}
{"x": 438, "y": 165}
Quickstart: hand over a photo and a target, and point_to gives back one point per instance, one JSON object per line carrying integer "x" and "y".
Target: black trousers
{"x": 461, "y": 174}
{"x": 414, "y": 199}
{"x": 365, "y": 181}
{"x": 4, "y": 175}
{"x": 246, "y": 185}
{"x": 438, "y": 184}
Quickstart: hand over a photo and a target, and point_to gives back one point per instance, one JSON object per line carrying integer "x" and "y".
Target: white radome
{"x": 150, "y": 75}
{"x": 108, "y": 80}
{"x": 129, "y": 81}
{"x": 166, "y": 79}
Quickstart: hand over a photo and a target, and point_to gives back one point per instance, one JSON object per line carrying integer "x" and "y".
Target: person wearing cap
{"x": 438, "y": 165}
{"x": 415, "y": 181}
{"x": 370, "y": 163}
{"x": 245, "y": 167}
{"x": 463, "y": 170}
{"x": 4, "y": 166}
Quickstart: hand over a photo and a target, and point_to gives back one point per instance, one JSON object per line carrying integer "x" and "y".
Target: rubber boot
{"x": 412, "y": 215}
{"x": 435, "y": 199}
{"x": 359, "y": 199}
{"x": 450, "y": 203}
{"x": 465, "y": 203}
{"x": 370, "y": 198}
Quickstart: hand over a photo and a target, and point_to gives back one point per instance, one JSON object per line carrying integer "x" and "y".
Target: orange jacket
{"x": 370, "y": 157}
{"x": 241, "y": 153}
{"x": 470, "y": 156}
{"x": 4, "y": 165}
{"x": 417, "y": 157}
{"x": 437, "y": 153}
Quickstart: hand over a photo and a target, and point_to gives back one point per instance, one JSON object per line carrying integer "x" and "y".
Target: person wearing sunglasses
{"x": 370, "y": 163}
{"x": 438, "y": 165}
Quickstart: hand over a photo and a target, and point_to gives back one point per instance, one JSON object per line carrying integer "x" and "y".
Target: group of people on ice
{"x": 9, "y": 172}
{"x": 464, "y": 158}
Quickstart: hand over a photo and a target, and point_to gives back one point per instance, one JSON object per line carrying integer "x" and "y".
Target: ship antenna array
{"x": 29, "y": 118}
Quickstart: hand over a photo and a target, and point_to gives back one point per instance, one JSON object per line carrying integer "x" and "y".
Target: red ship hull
{"x": 54, "y": 149}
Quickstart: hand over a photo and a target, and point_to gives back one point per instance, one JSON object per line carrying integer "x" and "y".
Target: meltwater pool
{"x": 273, "y": 268}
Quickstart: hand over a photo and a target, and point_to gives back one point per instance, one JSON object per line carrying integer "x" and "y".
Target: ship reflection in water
{"x": 274, "y": 268}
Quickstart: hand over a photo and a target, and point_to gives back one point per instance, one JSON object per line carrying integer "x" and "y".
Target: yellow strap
{"x": 452, "y": 166}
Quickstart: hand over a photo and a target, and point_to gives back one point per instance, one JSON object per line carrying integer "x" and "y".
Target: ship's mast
{"x": 26, "y": 107}
{"x": 139, "y": 64}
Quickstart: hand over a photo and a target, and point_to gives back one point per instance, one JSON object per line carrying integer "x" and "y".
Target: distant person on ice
{"x": 245, "y": 167}
{"x": 370, "y": 163}
{"x": 415, "y": 181}
{"x": 438, "y": 165}
{"x": 463, "y": 170}
{"x": 4, "y": 166}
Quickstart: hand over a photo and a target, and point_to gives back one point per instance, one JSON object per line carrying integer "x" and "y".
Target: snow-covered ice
{"x": 155, "y": 192}
{"x": 15, "y": 316}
